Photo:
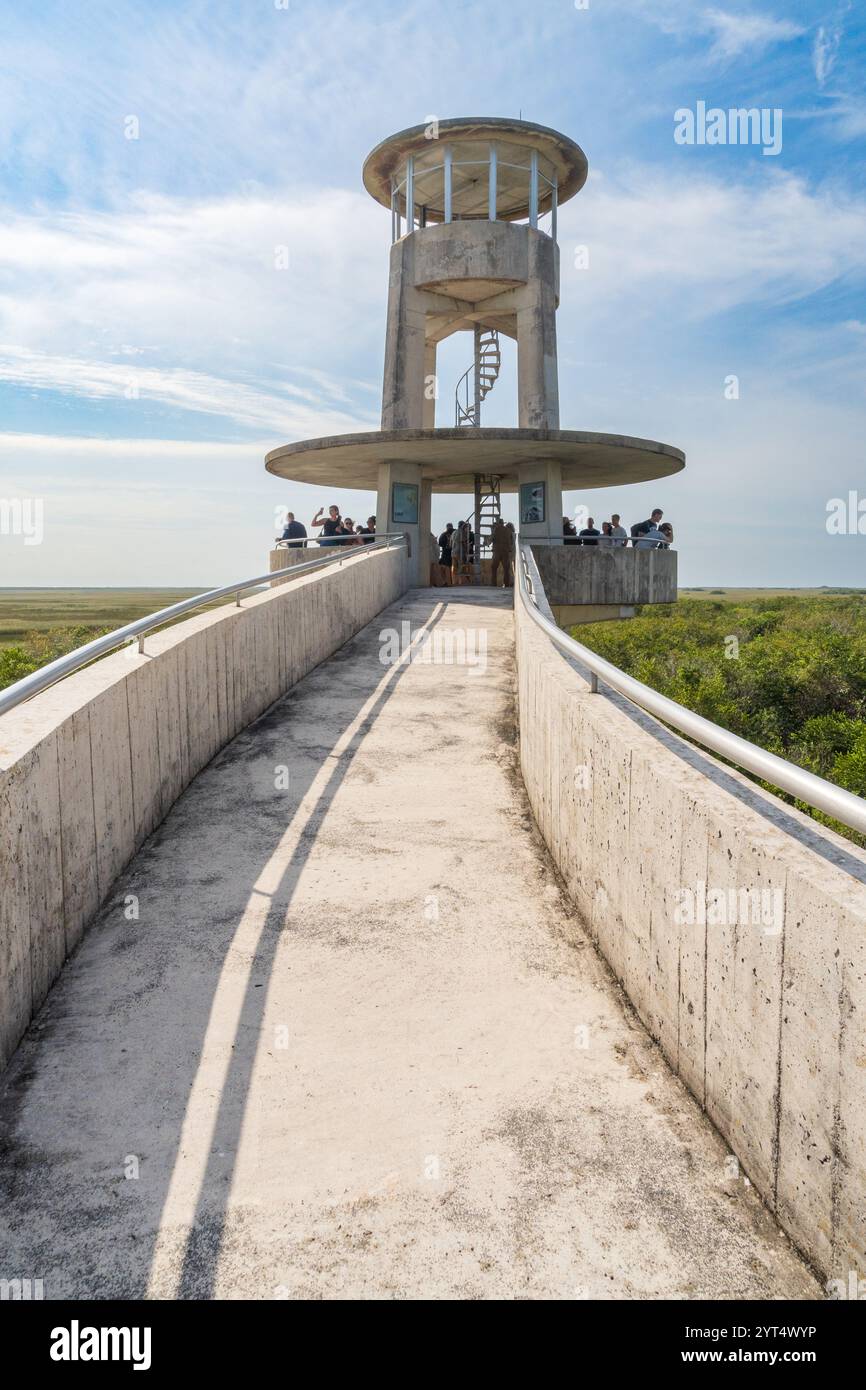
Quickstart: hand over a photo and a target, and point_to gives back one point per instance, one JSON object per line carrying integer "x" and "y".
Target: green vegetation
{"x": 38, "y": 625}
{"x": 787, "y": 672}
{"x": 745, "y": 595}
{"x": 25, "y": 612}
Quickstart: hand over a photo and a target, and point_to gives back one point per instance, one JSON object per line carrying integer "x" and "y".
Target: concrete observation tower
{"x": 473, "y": 206}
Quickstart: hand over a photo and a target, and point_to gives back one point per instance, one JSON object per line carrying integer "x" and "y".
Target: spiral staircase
{"x": 474, "y": 385}
{"x": 479, "y": 379}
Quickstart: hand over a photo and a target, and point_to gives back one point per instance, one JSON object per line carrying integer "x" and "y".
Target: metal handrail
{"x": 815, "y": 791}
{"x": 55, "y": 671}
{"x": 318, "y": 542}
{"x": 604, "y": 542}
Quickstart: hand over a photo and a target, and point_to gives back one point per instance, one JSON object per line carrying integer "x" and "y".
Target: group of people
{"x": 335, "y": 530}
{"x": 457, "y": 552}
{"x": 457, "y": 543}
{"x": 652, "y": 534}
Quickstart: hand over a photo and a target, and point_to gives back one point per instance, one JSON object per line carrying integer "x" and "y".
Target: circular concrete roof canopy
{"x": 470, "y": 137}
{"x": 452, "y": 457}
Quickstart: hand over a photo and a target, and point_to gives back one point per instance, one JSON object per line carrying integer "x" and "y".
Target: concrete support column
{"x": 430, "y": 388}
{"x": 548, "y": 472}
{"x": 537, "y": 376}
{"x": 405, "y": 344}
{"x": 389, "y": 474}
{"x": 426, "y": 553}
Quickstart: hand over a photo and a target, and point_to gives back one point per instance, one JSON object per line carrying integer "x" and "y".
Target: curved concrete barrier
{"x": 89, "y": 768}
{"x": 606, "y": 575}
{"x": 737, "y": 927}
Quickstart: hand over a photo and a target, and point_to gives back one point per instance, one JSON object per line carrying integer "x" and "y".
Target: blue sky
{"x": 151, "y": 352}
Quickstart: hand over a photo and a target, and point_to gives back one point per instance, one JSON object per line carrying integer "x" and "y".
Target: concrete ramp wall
{"x": 737, "y": 927}
{"x": 89, "y": 768}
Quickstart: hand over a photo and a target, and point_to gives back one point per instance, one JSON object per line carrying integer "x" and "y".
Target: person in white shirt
{"x": 619, "y": 535}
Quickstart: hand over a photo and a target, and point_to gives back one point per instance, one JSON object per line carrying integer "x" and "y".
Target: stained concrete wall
{"x": 89, "y": 768}
{"x": 764, "y": 1021}
{"x": 449, "y": 277}
{"x": 283, "y": 558}
{"x": 599, "y": 574}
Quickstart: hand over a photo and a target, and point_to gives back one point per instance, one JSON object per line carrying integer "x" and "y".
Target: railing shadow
{"x": 146, "y": 1046}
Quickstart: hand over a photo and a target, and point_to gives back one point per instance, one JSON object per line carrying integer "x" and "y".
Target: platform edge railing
{"x": 833, "y": 801}
{"x": 57, "y": 670}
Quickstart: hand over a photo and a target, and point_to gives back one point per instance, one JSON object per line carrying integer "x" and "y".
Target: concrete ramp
{"x": 338, "y": 1033}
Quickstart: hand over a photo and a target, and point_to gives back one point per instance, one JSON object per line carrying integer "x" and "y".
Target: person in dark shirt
{"x": 445, "y": 545}
{"x": 569, "y": 534}
{"x": 294, "y": 532}
{"x": 368, "y": 531}
{"x": 330, "y": 524}
{"x": 589, "y": 535}
{"x": 642, "y": 528}
{"x": 502, "y": 542}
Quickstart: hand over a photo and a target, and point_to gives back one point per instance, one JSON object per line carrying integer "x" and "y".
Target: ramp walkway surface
{"x": 339, "y": 1034}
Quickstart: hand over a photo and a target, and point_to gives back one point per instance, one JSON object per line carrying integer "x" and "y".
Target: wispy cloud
{"x": 825, "y": 50}
{"x": 691, "y": 246}
{"x": 734, "y": 32}
{"x": 252, "y": 308}
{"x": 290, "y": 414}
{"x": 737, "y": 33}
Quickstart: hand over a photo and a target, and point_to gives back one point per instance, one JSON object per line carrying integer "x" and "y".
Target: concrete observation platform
{"x": 356, "y": 1045}
{"x": 450, "y": 458}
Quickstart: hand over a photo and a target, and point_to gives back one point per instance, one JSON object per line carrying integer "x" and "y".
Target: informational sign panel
{"x": 404, "y": 504}
{"x": 531, "y": 503}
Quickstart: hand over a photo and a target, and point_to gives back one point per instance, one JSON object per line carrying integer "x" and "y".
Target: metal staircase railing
{"x": 488, "y": 507}
{"x": 479, "y": 379}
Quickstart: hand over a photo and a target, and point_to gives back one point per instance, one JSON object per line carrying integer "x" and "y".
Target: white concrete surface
{"x": 355, "y": 1043}
{"x": 758, "y": 1002}
{"x": 89, "y": 768}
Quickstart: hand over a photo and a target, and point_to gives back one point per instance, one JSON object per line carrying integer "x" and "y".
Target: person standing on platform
{"x": 503, "y": 546}
{"x": 295, "y": 532}
{"x": 445, "y": 546}
{"x": 459, "y": 553}
{"x": 330, "y": 524}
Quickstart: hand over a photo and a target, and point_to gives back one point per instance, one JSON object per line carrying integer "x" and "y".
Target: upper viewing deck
{"x": 474, "y": 169}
